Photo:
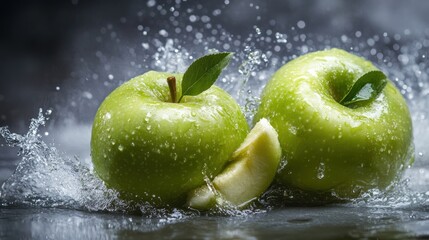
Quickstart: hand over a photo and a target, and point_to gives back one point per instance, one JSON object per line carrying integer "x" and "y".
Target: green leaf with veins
{"x": 365, "y": 89}
{"x": 203, "y": 73}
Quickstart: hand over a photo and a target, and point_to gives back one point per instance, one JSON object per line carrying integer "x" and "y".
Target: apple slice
{"x": 250, "y": 172}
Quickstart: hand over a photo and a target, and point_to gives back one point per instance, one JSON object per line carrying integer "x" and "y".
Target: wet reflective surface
{"x": 332, "y": 222}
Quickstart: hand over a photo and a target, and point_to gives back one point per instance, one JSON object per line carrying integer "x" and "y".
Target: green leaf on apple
{"x": 202, "y": 73}
{"x": 365, "y": 89}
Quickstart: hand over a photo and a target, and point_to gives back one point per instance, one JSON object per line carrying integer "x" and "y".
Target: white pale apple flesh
{"x": 252, "y": 169}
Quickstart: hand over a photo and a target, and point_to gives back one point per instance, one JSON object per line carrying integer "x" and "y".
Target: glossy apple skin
{"x": 327, "y": 147}
{"x": 153, "y": 150}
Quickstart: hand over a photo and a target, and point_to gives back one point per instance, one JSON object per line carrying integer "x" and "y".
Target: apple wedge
{"x": 250, "y": 172}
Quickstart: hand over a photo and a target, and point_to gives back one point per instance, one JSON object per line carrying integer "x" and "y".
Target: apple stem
{"x": 172, "y": 85}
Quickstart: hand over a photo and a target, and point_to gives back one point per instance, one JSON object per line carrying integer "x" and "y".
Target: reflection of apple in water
{"x": 150, "y": 148}
{"x": 329, "y": 147}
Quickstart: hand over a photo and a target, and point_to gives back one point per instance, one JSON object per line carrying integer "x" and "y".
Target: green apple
{"x": 252, "y": 168}
{"x": 328, "y": 147}
{"x": 150, "y": 148}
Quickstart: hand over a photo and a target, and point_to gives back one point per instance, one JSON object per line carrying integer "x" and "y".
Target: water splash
{"x": 401, "y": 196}
{"x": 46, "y": 178}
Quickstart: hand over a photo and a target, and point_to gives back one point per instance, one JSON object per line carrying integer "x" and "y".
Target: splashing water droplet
{"x": 301, "y": 24}
{"x": 46, "y": 178}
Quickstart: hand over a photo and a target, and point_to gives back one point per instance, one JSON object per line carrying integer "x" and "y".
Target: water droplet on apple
{"x": 107, "y": 116}
{"x": 293, "y": 130}
{"x": 321, "y": 171}
{"x": 282, "y": 165}
{"x": 148, "y": 115}
{"x": 121, "y": 148}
